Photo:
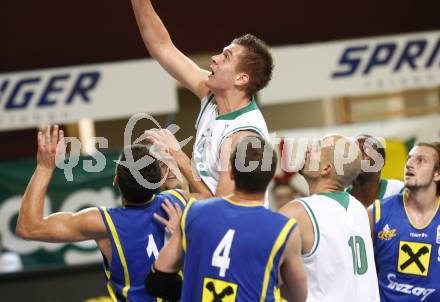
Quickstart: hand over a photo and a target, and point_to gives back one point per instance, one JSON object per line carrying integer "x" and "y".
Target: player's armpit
{"x": 68, "y": 227}
{"x": 293, "y": 274}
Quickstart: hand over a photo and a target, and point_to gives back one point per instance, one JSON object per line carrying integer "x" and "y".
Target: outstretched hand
{"x": 164, "y": 144}
{"x": 50, "y": 147}
{"x": 174, "y": 213}
{"x": 163, "y": 139}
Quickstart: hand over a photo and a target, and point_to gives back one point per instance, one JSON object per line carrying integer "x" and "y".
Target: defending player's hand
{"x": 50, "y": 147}
{"x": 174, "y": 213}
{"x": 163, "y": 141}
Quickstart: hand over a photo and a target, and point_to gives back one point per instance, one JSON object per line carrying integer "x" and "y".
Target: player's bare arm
{"x": 296, "y": 210}
{"x": 160, "y": 46}
{"x": 167, "y": 149}
{"x": 58, "y": 227}
{"x": 163, "y": 279}
{"x": 293, "y": 274}
{"x": 169, "y": 257}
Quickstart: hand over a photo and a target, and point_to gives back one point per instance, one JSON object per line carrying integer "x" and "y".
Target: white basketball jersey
{"x": 391, "y": 187}
{"x": 340, "y": 266}
{"x": 213, "y": 129}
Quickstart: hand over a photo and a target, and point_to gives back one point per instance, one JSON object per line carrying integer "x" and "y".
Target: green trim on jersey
{"x": 242, "y": 128}
{"x": 383, "y": 184}
{"x": 343, "y": 198}
{"x": 234, "y": 114}
{"x": 315, "y": 227}
{"x": 210, "y": 97}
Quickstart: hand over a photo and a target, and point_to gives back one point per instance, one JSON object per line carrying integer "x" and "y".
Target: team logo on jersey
{"x": 218, "y": 291}
{"x": 408, "y": 289}
{"x": 387, "y": 233}
{"x": 414, "y": 258}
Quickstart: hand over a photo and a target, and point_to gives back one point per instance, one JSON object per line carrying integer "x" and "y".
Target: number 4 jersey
{"x": 340, "y": 265}
{"x": 232, "y": 251}
{"x": 408, "y": 258}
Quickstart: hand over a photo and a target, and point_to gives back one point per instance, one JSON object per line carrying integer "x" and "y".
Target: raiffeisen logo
{"x": 46, "y": 91}
{"x": 363, "y": 59}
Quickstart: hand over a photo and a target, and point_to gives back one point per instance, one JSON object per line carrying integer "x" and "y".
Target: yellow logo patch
{"x": 387, "y": 234}
{"x": 414, "y": 258}
{"x": 218, "y": 291}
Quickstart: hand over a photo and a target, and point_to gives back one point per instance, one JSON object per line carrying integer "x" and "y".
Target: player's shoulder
{"x": 175, "y": 195}
{"x": 396, "y": 182}
{"x": 391, "y": 201}
{"x": 207, "y": 204}
{"x": 387, "y": 206}
{"x": 395, "y": 185}
{"x": 298, "y": 209}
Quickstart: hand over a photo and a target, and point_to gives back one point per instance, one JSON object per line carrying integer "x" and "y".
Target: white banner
{"x": 101, "y": 91}
{"x": 354, "y": 67}
{"x": 424, "y": 128}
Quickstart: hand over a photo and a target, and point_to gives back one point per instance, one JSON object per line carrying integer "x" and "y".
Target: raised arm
{"x": 58, "y": 227}
{"x": 163, "y": 280}
{"x": 159, "y": 44}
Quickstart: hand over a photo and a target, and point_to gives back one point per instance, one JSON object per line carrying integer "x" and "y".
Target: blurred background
{"x": 340, "y": 66}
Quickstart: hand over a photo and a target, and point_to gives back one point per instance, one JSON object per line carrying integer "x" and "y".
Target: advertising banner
{"x": 354, "y": 67}
{"x": 100, "y": 92}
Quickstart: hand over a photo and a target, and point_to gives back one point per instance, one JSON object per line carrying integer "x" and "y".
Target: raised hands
{"x": 50, "y": 147}
{"x": 164, "y": 147}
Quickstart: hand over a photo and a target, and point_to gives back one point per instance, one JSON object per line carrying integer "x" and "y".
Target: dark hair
{"x": 131, "y": 190}
{"x": 255, "y": 178}
{"x": 257, "y": 62}
{"x": 375, "y": 143}
{"x": 436, "y": 147}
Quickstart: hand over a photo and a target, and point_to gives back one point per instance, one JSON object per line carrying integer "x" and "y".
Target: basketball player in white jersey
{"x": 228, "y": 108}
{"x": 336, "y": 243}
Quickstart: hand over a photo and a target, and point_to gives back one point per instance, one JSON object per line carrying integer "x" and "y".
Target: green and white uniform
{"x": 340, "y": 266}
{"x": 387, "y": 188}
{"x": 213, "y": 129}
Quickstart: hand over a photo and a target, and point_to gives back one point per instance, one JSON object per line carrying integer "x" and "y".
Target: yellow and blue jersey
{"x": 408, "y": 257}
{"x": 136, "y": 239}
{"x": 232, "y": 251}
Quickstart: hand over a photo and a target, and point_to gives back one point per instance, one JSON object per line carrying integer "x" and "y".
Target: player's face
{"x": 419, "y": 168}
{"x": 224, "y": 68}
{"x": 171, "y": 181}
